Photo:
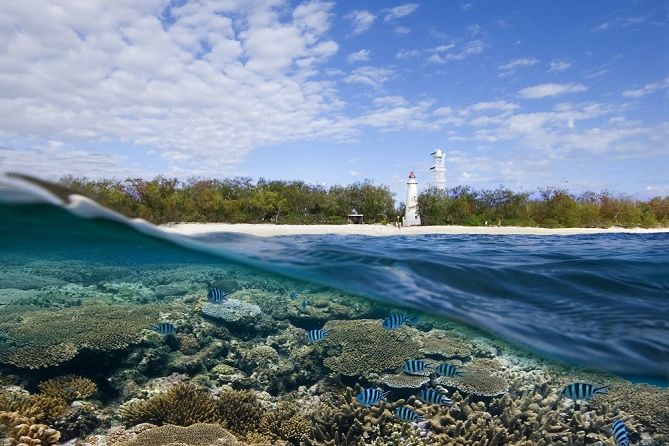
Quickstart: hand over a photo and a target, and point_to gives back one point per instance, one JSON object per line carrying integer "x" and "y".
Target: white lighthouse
{"x": 411, "y": 217}
{"x": 439, "y": 170}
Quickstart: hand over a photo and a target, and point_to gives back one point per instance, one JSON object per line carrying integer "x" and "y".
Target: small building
{"x": 355, "y": 218}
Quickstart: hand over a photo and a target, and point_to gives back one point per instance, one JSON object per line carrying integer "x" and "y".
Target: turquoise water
{"x": 522, "y": 317}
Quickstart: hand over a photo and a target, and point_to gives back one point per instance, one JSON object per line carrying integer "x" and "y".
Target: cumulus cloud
{"x": 361, "y": 20}
{"x": 400, "y": 11}
{"x": 559, "y": 65}
{"x": 647, "y": 89}
{"x": 549, "y": 90}
{"x": 358, "y": 56}
{"x": 372, "y": 76}
{"x": 200, "y": 82}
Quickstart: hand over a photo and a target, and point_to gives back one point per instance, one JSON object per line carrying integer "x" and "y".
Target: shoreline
{"x": 272, "y": 230}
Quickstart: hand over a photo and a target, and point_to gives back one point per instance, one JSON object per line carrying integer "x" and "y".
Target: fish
{"x": 164, "y": 328}
{"x": 304, "y": 305}
{"x": 619, "y": 431}
{"x": 415, "y": 366}
{"x": 447, "y": 370}
{"x": 317, "y": 335}
{"x": 371, "y": 397}
{"x": 216, "y": 295}
{"x": 293, "y": 295}
{"x": 431, "y": 396}
{"x": 396, "y": 320}
{"x": 582, "y": 391}
{"x": 404, "y": 413}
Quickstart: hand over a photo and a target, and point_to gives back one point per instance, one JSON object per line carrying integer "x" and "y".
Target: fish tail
{"x": 602, "y": 390}
{"x": 384, "y": 394}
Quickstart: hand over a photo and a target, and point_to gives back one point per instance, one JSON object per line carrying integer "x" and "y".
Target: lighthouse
{"x": 411, "y": 217}
{"x": 439, "y": 170}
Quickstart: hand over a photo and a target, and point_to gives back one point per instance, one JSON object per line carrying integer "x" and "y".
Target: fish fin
{"x": 385, "y": 394}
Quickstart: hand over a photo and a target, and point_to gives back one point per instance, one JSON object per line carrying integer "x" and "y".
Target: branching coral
{"x": 182, "y": 405}
{"x": 22, "y": 431}
{"x": 46, "y": 338}
{"x": 359, "y": 347}
{"x": 648, "y": 404}
{"x": 239, "y": 410}
{"x": 286, "y": 423}
{"x": 68, "y": 388}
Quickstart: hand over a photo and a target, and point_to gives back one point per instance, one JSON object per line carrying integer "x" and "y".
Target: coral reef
{"x": 359, "y": 347}
{"x": 68, "y": 388}
{"x": 478, "y": 378}
{"x": 240, "y": 411}
{"x": 405, "y": 381}
{"x": 22, "y": 431}
{"x": 195, "y": 435}
{"x": 182, "y": 405}
{"x": 285, "y": 422}
{"x": 232, "y": 311}
{"x": 92, "y": 327}
{"x": 447, "y": 344}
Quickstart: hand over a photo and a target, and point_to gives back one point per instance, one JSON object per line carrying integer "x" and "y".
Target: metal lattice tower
{"x": 439, "y": 169}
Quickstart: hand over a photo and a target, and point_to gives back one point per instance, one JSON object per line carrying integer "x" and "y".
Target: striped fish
{"x": 406, "y": 414}
{"x": 431, "y": 396}
{"x": 582, "y": 391}
{"x": 216, "y": 295}
{"x": 164, "y": 328}
{"x": 317, "y": 335}
{"x": 447, "y": 370}
{"x": 415, "y": 366}
{"x": 620, "y": 433}
{"x": 396, "y": 320}
{"x": 371, "y": 397}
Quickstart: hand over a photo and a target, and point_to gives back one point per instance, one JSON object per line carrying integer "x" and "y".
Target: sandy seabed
{"x": 270, "y": 230}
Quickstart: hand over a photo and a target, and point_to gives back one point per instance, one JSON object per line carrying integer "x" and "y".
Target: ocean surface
{"x": 596, "y": 301}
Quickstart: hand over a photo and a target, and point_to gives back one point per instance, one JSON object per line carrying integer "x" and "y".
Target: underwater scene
{"x": 111, "y": 334}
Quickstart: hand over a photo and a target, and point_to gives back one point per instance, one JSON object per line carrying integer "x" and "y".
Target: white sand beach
{"x": 271, "y": 230}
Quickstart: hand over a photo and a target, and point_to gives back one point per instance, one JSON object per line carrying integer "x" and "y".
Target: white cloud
{"x": 394, "y": 101}
{"x": 203, "y": 88}
{"x": 400, "y": 11}
{"x": 361, "y": 20}
{"x": 402, "y": 30}
{"x": 549, "y": 90}
{"x": 372, "y": 76}
{"x": 559, "y": 65}
{"x": 647, "y": 89}
{"x": 621, "y": 22}
{"x": 358, "y": 56}
{"x": 524, "y": 62}
{"x": 407, "y": 54}
{"x": 453, "y": 52}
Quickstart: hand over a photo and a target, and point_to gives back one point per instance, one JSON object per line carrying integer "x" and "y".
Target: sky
{"x": 523, "y": 94}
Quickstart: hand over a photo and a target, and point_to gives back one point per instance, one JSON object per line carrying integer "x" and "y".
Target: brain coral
{"x": 359, "y": 347}
{"x": 183, "y": 405}
{"x": 36, "y": 338}
{"x": 195, "y": 435}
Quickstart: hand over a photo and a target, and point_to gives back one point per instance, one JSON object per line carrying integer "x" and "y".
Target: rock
{"x": 232, "y": 310}
{"x": 172, "y": 289}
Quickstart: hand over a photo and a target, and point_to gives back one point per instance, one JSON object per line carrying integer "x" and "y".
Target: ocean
{"x": 300, "y": 333}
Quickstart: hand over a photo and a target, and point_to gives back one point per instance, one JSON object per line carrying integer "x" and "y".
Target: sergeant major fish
{"x": 431, "y": 396}
{"x": 582, "y": 391}
{"x": 164, "y": 328}
{"x": 619, "y": 431}
{"x": 415, "y": 366}
{"x": 317, "y": 335}
{"x": 447, "y": 370}
{"x": 371, "y": 397}
{"x": 216, "y": 295}
{"x": 396, "y": 320}
{"x": 406, "y": 414}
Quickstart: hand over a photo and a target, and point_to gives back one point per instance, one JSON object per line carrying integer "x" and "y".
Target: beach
{"x": 271, "y": 230}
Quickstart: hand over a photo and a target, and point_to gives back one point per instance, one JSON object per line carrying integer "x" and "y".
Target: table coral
{"x": 68, "y": 388}
{"x": 448, "y": 344}
{"x": 405, "y": 381}
{"x": 196, "y": 435}
{"x": 478, "y": 378}
{"x": 44, "y": 338}
{"x": 360, "y": 347}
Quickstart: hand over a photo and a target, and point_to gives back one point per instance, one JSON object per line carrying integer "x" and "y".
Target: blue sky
{"x": 522, "y": 94}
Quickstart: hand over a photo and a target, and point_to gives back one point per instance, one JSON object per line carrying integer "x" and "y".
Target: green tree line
{"x": 547, "y": 207}
{"x": 242, "y": 200}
